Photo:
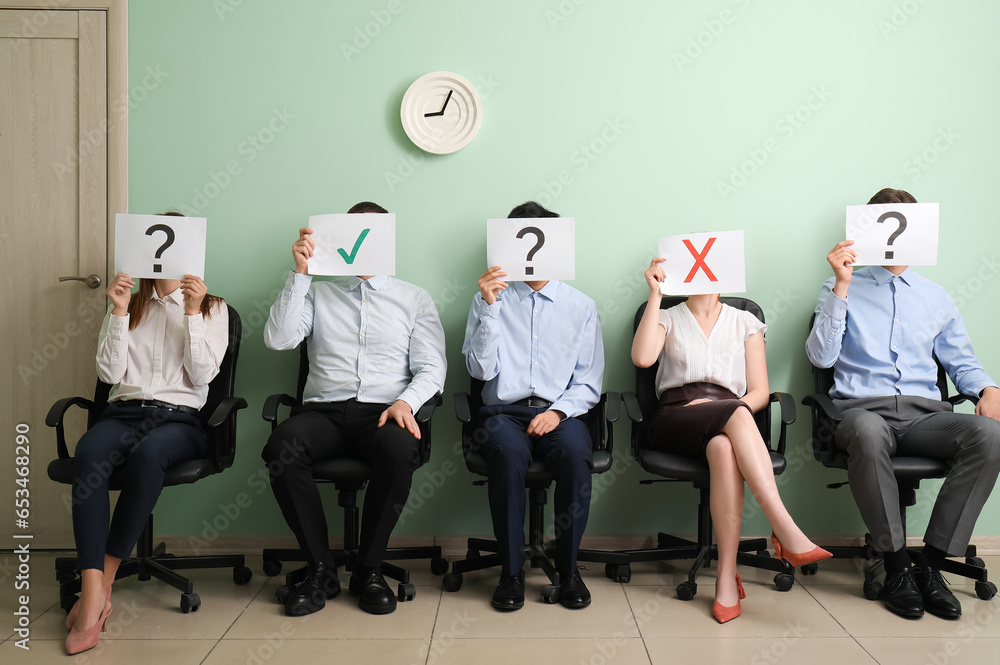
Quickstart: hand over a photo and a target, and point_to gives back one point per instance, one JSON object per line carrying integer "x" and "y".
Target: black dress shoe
{"x": 374, "y": 595}
{"x": 573, "y": 593}
{"x": 938, "y": 599}
{"x": 510, "y": 592}
{"x": 902, "y": 596}
{"x": 310, "y": 596}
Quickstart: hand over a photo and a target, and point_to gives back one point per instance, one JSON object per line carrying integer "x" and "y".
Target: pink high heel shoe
{"x": 71, "y": 617}
{"x": 80, "y": 640}
{"x": 795, "y": 560}
{"x": 723, "y": 613}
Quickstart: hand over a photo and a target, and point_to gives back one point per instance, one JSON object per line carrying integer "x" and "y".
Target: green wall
{"x": 671, "y": 99}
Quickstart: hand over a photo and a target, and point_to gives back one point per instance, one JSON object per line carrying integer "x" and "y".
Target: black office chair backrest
{"x": 645, "y": 377}
{"x": 222, "y": 438}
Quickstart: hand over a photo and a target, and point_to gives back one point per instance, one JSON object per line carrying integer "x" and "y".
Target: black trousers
{"x": 320, "y": 431}
{"x": 143, "y": 440}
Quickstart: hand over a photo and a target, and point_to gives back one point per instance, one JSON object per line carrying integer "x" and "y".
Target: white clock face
{"x": 441, "y": 112}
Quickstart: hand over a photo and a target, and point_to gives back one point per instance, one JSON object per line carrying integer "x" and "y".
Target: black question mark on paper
{"x": 166, "y": 243}
{"x": 538, "y": 245}
{"x": 899, "y": 231}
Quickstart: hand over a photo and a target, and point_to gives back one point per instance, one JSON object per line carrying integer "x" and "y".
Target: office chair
{"x": 909, "y": 471}
{"x": 219, "y": 419}
{"x": 537, "y": 481}
{"x": 349, "y": 475}
{"x": 640, "y": 407}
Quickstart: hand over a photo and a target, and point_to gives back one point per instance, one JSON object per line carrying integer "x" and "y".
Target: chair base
{"x": 405, "y": 591}
{"x": 150, "y": 562}
{"x": 873, "y": 567}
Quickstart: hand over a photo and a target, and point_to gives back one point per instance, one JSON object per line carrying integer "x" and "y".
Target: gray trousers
{"x": 875, "y": 429}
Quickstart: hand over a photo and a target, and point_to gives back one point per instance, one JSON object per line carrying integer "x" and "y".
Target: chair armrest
{"x": 632, "y": 409}
{"x": 824, "y": 405}
{"x": 426, "y": 410}
{"x": 786, "y": 408}
{"x": 223, "y": 411}
{"x": 54, "y": 418}
{"x": 613, "y": 407}
{"x": 955, "y": 400}
{"x": 270, "y": 411}
{"x": 463, "y": 410}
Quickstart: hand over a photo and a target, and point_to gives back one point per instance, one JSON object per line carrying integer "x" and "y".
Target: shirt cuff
{"x": 195, "y": 325}
{"x": 117, "y": 326}
{"x": 300, "y": 283}
{"x": 835, "y": 307}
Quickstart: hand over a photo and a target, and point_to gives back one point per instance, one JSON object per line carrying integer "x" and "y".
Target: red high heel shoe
{"x": 80, "y": 640}
{"x": 795, "y": 560}
{"x": 722, "y": 613}
{"x": 71, "y": 617}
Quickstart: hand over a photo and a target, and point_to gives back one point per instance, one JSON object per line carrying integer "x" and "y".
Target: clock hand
{"x": 441, "y": 112}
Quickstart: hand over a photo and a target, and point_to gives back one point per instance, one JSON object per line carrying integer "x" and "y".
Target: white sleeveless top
{"x": 688, "y": 356}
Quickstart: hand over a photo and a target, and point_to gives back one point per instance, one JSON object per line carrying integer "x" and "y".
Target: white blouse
{"x": 688, "y": 356}
{"x": 170, "y": 357}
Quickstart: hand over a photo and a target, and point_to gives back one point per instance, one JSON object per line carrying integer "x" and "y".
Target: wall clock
{"x": 441, "y": 112}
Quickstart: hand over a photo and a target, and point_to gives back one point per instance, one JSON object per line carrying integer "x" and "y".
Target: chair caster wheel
{"x": 687, "y": 590}
{"x": 282, "y": 593}
{"x": 784, "y": 581}
{"x": 242, "y": 574}
{"x": 68, "y": 602}
{"x": 439, "y": 566}
{"x": 872, "y": 590}
{"x": 190, "y": 602}
{"x": 406, "y": 591}
{"x": 272, "y": 567}
{"x": 986, "y": 590}
{"x": 621, "y": 572}
{"x": 809, "y": 568}
{"x": 452, "y": 582}
{"x": 550, "y": 594}
{"x": 975, "y": 561}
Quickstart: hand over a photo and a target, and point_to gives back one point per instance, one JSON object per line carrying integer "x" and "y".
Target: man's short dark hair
{"x": 367, "y": 206}
{"x": 889, "y": 195}
{"x": 530, "y": 210}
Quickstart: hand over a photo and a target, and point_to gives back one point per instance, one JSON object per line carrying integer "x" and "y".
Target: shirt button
{"x": 536, "y": 362}
{"x": 536, "y": 336}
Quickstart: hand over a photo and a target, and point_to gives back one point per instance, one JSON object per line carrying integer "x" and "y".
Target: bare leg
{"x": 92, "y": 598}
{"x": 110, "y": 570}
{"x": 755, "y": 466}
{"x": 726, "y": 499}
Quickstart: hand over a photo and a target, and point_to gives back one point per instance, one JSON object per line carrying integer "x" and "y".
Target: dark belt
{"x": 533, "y": 401}
{"x": 157, "y": 404}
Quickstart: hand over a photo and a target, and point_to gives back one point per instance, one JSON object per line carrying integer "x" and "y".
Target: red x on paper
{"x": 699, "y": 260}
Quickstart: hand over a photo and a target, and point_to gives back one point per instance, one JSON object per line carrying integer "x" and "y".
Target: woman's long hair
{"x": 138, "y": 305}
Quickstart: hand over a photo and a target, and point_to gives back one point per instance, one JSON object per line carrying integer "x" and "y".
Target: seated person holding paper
{"x": 883, "y": 329}
{"x": 538, "y": 347}
{"x": 712, "y": 376}
{"x": 160, "y": 347}
{"x": 376, "y": 354}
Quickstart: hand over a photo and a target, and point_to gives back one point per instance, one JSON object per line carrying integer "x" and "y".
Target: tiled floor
{"x": 823, "y": 619}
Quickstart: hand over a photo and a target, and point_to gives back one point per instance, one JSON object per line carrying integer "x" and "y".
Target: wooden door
{"x": 54, "y": 214}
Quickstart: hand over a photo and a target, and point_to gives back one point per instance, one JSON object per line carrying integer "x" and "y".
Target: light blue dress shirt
{"x": 545, "y": 343}
{"x": 376, "y": 340}
{"x": 882, "y": 339}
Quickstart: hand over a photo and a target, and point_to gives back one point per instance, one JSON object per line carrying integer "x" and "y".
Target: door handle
{"x": 92, "y": 281}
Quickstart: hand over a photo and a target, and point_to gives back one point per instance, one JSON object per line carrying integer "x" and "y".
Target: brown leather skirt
{"x": 686, "y": 430}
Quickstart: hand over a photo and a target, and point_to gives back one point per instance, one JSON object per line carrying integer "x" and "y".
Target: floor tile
{"x": 340, "y": 618}
{"x": 274, "y": 648}
{"x": 551, "y": 651}
{"x": 767, "y": 612}
{"x": 110, "y": 652}
{"x": 959, "y": 649}
{"x": 789, "y": 648}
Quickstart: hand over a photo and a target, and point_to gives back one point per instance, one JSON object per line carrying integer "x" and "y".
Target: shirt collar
{"x": 550, "y": 290}
{"x": 376, "y": 282}
{"x": 881, "y": 275}
{"x": 176, "y": 296}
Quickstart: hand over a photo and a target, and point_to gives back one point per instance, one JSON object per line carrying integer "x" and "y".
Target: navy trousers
{"x": 143, "y": 441}
{"x": 567, "y": 453}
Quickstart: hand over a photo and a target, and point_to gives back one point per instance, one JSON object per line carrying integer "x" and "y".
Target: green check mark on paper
{"x": 349, "y": 258}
